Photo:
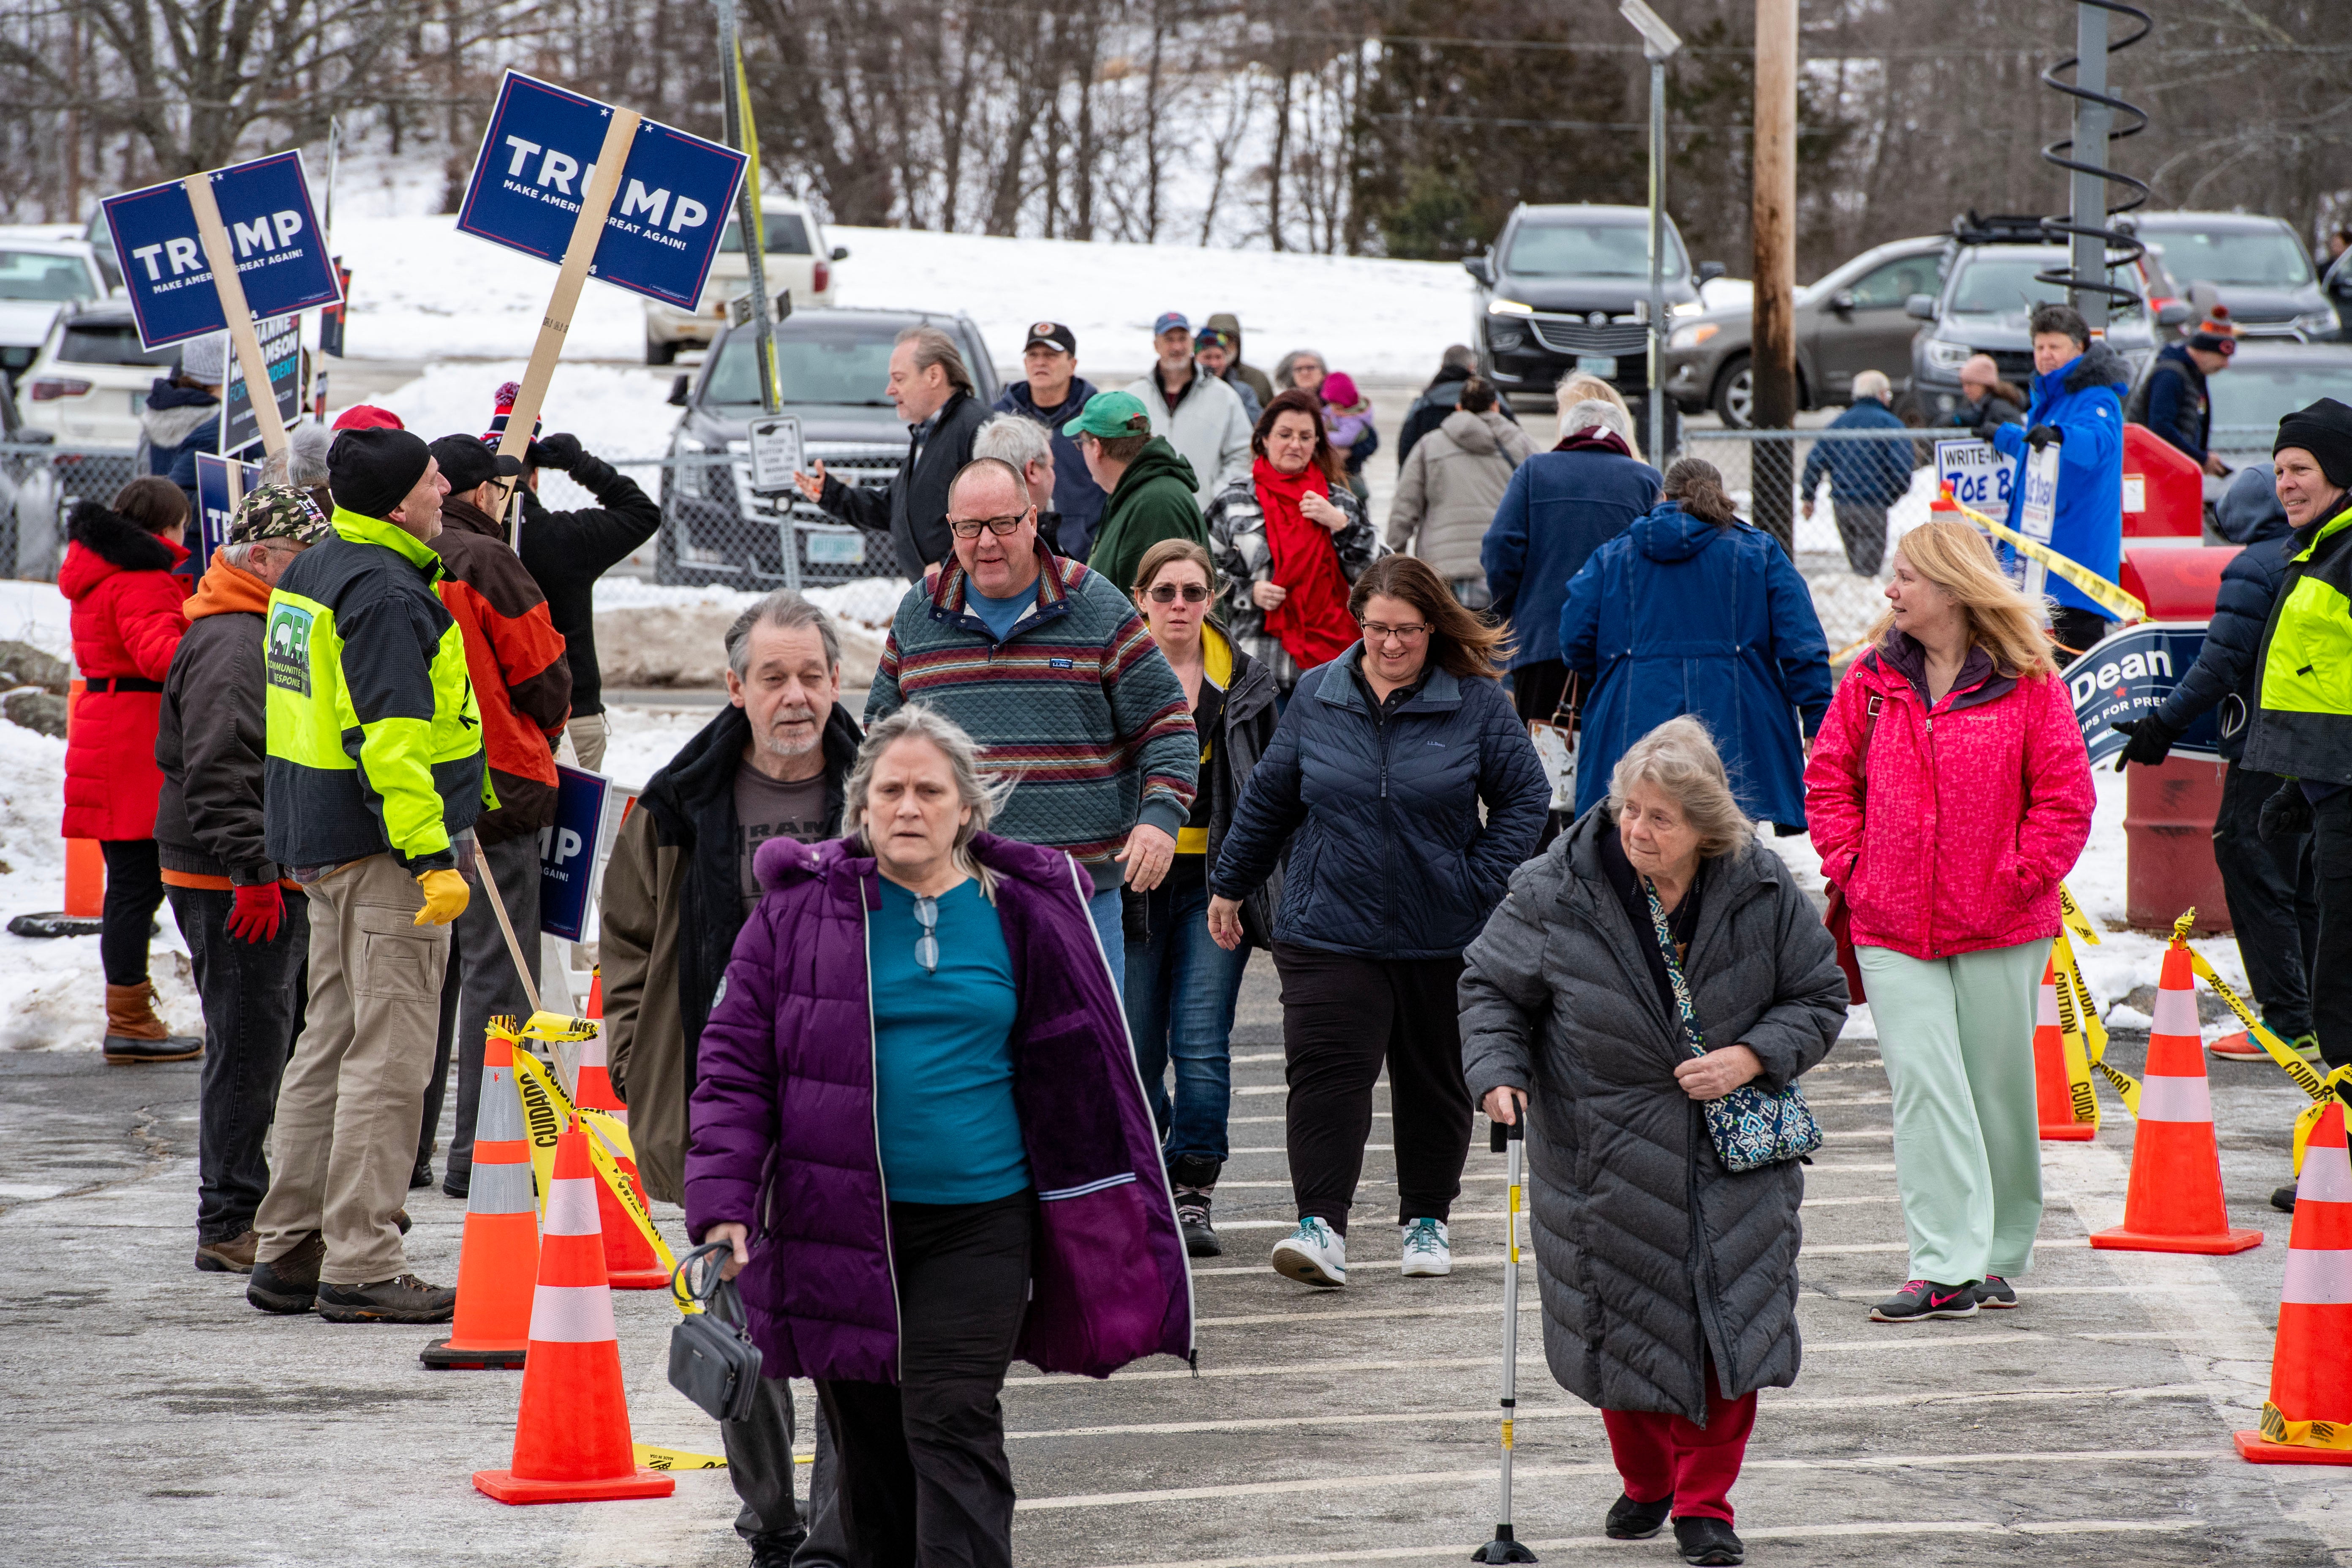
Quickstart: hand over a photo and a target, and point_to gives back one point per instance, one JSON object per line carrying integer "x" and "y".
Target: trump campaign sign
{"x": 537, "y": 157}
{"x": 572, "y": 847}
{"x": 281, "y": 257}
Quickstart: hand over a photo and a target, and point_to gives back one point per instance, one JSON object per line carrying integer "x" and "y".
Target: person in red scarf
{"x": 1290, "y": 543}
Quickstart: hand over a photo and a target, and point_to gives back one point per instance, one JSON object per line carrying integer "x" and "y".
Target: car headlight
{"x": 1690, "y": 337}
{"x": 1686, "y": 308}
{"x": 1946, "y": 355}
{"x": 1508, "y": 307}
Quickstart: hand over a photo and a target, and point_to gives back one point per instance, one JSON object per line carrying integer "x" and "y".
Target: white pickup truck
{"x": 797, "y": 258}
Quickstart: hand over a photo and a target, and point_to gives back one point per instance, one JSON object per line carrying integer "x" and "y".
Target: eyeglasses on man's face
{"x": 970, "y": 527}
{"x": 1194, "y": 592}
{"x": 1376, "y": 633}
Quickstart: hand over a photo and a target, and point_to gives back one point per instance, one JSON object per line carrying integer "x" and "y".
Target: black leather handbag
{"x": 712, "y": 1360}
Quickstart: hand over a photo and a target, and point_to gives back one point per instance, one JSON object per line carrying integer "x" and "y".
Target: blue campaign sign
{"x": 536, "y": 160}
{"x": 281, "y": 257}
{"x": 571, "y": 848}
{"x": 213, "y": 509}
{"x": 2129, "y": 675}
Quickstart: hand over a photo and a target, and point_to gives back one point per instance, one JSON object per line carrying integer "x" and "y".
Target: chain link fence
{"x": 716, "y": 532}
{"x": 39, "y": 485}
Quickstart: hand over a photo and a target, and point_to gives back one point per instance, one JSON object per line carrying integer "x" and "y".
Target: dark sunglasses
{"x": 1194, "y": 593}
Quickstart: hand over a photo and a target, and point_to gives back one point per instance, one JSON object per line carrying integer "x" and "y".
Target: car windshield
{"x": 107, "y": 342}
{"x": 1997, "y": 285}
{"x": 817, "y": 360}
{"x": 2260, "y": 395}
{"x": 787, "y": 234}
{"x": 1587, "y": 250}
{"x": 37, "y": 275}
{"x": 2258, "y": 258}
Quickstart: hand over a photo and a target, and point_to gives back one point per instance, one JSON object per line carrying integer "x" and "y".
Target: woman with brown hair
{"x": 1290, "y": 539}
{"x": 1374, "y": 784}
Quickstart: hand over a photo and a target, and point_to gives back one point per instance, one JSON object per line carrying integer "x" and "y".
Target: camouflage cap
{"x": 279, "y": 511}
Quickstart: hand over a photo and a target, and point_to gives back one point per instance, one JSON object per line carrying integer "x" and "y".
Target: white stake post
{"x": 596, "y": 203}
{"x": 221, "y": 256}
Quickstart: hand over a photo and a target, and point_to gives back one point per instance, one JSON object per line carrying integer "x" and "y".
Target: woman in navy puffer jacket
{"x": 1373, "y": 784}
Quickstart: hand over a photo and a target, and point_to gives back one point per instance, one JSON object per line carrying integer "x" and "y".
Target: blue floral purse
{"x": 1751, "y": 1128}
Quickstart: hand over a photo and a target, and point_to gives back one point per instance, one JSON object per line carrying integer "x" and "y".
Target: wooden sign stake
{"x": 221, "y": 256}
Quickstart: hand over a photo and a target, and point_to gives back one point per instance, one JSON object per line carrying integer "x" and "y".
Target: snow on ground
{"x": 38, "y": 613}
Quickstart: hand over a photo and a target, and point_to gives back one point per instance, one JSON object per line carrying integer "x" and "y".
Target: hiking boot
{"x": 2283, "y": 1200}
{"x": 453, "y": 1185}
{"x": 1428, "y": 1252}
{"x": 776, "y": 1550}
{"x": 1920, "y": 1300}
{"x": 1706, "y": 1539}
{"x": 1193, "y": 1214}
{"x": 288, "y": 1283}
{"x": 1631, "y": 1520}
{"x": 400, "y": 1217}
{"x": 404, "y": 1298}
{"x": 231, "y": 1256}
{"x": 1314, "y": 1254}
{"x": 1995, "y": 1294}
{"x": 422, "y": 1176}
{"x": 135, "y": 1034}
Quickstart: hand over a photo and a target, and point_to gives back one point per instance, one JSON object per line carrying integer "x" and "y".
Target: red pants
{"x": 1663, "y": 1455}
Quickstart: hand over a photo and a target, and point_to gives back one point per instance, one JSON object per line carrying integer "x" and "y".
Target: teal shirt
{"x": 1000, "y": 614}
{"x": 943, "y": 1052}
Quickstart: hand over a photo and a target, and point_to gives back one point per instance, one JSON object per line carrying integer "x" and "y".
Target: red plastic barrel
{"x": 2163, "y": 492}
{"x": 2169, "y": 811}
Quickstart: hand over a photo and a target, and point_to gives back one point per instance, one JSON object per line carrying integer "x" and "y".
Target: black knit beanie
{"x": 2324, "y": 430}
{"x": 371, "y": 472}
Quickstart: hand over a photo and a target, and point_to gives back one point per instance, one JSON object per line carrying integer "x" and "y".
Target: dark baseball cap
{"x": 371, "y": 472}
{"x": 465, "y": 462}
{"x": 1053, "y": 334}
{"x": 1171, "y": 322}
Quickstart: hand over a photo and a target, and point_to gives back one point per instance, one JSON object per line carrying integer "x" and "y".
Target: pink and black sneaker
{"x": 1922, "y": 1299}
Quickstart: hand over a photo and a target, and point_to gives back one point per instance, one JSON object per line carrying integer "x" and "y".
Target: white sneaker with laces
{"x": 1428, "y": 1250}
{"x": 1314, "y": 1254}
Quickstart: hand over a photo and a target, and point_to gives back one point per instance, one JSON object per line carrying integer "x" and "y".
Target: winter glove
{"x": 1986, "y": 430}
{"x": 2041, "y": 435}
{"x": 2150, "y": 739}
{"x": 558, "y": 451}
{"x": 258, "y": 911}
{"x": 2286, "y": 815}
{"x": 444, "y": 897}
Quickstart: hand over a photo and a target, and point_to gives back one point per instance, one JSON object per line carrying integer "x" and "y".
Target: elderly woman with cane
{"x": 920, "y": 1129}
{"x": 1648, "y": 994}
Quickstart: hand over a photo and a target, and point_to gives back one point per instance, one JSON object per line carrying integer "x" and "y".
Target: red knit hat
{"x": 368, "y": 416}
{"x": 505, "y": 402}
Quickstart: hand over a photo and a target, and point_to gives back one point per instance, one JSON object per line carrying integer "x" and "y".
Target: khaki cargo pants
{"x": 345, "y": 1138}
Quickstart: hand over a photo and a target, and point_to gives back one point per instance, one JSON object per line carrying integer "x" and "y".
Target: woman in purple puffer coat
{"x": 919, "y": 1125}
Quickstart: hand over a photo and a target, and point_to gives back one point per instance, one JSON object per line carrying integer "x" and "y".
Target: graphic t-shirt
{"x": 766, "y": 809}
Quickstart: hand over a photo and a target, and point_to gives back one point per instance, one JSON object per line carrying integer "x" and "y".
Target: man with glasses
{"x": 1046, "y": 664}
{"x": 1149, "y": 486}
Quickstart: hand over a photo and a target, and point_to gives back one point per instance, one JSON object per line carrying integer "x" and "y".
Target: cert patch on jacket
{"x": 285, "y": 657}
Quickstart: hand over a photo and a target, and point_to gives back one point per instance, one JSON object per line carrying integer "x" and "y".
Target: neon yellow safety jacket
{"x": 2302, "y": 726}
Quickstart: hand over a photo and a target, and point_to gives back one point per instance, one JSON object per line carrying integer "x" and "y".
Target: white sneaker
{"x": 1428, "y": 1252}
{"x": 1314, "y": 1254}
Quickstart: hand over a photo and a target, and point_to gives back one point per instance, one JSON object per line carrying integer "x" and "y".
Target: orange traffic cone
{"x": 2308, "y": 1419}
{"x": 595, "y": 992}
{"x": 572, "y": 1436}
{"x": 630, "y": 1261}
{"x": 2174, "y": 1202}
{"x": 497, "y": 1263}
{"x": 2051, "y": 1087}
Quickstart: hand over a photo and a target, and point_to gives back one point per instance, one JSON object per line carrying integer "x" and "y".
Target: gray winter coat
{"x": 1649, "y": 1255}
{"x": 1448, "y": 489}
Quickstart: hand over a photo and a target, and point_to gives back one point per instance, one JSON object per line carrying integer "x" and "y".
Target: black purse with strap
{"x": 712, "y": 1360}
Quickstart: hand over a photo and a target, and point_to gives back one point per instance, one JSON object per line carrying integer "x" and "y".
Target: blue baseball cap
{"x": 1171, "y": 322}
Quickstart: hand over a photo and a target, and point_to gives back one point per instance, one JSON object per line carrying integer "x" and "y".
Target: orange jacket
{"x": 516, "y": 657}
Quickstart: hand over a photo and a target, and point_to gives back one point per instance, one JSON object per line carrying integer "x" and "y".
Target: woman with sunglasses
{"x": 1374, "y": 784}
{"x": 920, "y": 1129}
{"x": 1181, "y": 985}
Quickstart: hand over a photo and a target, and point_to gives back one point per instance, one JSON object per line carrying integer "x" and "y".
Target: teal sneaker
{"x": 1314, "y": 1254}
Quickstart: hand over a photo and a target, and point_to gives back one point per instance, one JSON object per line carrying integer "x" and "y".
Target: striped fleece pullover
{"x": 1077, "y": 703}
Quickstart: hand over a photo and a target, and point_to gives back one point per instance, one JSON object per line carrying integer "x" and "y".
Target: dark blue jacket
{"x": 178, "y": 463}
{"x": 2177, "y": 407}
{"x": 2223, "y": 674}
{"x": 1870, "y": 472}
{"x": 1682, "y": 617}
{"x": 1076, "y": 495}
{"x": 1388, "y": 856}
{"x": 1560, "y": 508}
{"x": 2080, "y": 398}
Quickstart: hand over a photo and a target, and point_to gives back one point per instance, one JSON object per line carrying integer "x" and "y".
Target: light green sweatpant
{"x": 1956, "y": 1037}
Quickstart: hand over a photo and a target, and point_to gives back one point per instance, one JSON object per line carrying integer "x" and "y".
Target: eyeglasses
{"x": 1376, "y": 633}
{"x": 926, "y": 946}
{"x": 970, "y": 527}
{"x": 1194, "y": 593}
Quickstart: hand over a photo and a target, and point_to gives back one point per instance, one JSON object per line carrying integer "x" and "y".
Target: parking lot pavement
{"x": 159, "y": 1419}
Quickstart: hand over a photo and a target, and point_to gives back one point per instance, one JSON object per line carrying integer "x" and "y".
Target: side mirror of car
{"x": 1920, "y": 307}
{"x": 678, "y": 389}
{"x": 1708, "y": 272}
{"x": 1481, "y": 268}
{"x": 2172, "y": 312}
{"x": 841, "y": 253}
{"x": 1843, "y": 301}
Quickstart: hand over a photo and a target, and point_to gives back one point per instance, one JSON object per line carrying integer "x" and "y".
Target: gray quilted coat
{"x": 1648, "y": 1253}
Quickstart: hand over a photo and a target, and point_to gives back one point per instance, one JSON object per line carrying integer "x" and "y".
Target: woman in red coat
{"x": 127, "y": 623}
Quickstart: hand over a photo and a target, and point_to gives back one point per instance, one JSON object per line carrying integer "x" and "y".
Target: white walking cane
{"x": 1510, "y": 1138}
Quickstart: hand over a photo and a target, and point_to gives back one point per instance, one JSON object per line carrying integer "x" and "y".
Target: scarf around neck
{"x": 1312, "y": 622}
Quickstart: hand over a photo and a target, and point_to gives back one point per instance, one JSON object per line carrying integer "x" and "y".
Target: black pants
{"x": 1535, "y": 688}
{"x": 2331, "y": 963}
{"x": 252, "y": 994}
{"x": 760, "y": 1464}
{"x": 2274, "y": 901}
{"x": 1862, "y": 529}
{"x": 1340, "y": 1017}
{"x": 437, "y": 1088}
{"x": 924, "y": 1481}
{"x": 134, "y": 891}
{"x": 2078, "y": 631}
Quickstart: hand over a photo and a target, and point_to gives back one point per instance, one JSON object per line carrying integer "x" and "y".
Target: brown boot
{"x": 134, "y": 1033}
{"x": 234, "y": 1257}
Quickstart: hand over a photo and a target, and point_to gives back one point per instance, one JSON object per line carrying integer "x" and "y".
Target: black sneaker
{"x": 403, "y": 1300}
{"x": 2283, "y": 1200}
{"x": 453, "y": 1185}
{"x": 1631, "y": 1520}
{"x": 288, "y": 1283}
{"x": 1703, "y": 1539}
{"x": 422, "y": 1176}
{"x": 1919, "y": 1299}
{"x": 1995, "y": 1294}
{"x": 1192, "y": 1213}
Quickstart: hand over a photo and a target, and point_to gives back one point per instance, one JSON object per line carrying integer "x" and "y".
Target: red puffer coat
{"x": 127, "y": 623}
{"x": 1975, "y": 809}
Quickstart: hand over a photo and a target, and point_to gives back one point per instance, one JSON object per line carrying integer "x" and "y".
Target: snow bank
{"x": 38, "y": 613}
{"x": 651, "y": 636}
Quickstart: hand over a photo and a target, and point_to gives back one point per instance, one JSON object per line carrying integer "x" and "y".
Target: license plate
{"x": 836, "y": 548}
{"x": 1602, "y": 366}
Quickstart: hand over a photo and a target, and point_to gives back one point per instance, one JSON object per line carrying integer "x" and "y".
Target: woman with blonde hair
{"x": 1948, "y": 794}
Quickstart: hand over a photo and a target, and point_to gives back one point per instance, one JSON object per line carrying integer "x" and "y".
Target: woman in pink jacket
{"x": 1949, "y": 793}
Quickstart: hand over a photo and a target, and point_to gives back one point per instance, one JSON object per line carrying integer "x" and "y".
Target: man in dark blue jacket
{"x": 2174, "y": 402}
{"x": 1865, "y": 477}
{"x": 1053, "y": 394}
{"x": 2077, "y": 405}
{"x": 2273, "y": 898}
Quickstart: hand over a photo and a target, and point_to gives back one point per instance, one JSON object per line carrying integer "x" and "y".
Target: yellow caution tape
{"x": 593, "y": 1123}
{"x": 2290, "y": 1061}
{"x": 2078, "y": 1020}
{"x": 2277, "y": 1428}
{"x": 653, "y": 1459}
{"x": 2106, "y": 594}
{"x": 2072, "y": 913}
{"x": 534, "y": 1080}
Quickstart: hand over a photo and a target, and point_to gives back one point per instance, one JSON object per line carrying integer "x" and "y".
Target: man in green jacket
{"x": 1152, "y": 488}
{"x": 372, "y": 781}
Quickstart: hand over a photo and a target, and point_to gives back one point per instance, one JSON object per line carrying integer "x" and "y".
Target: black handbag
{"x": 712, "y": 1360}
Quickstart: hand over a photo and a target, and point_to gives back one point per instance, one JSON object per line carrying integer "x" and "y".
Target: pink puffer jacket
{"x": 1975, "y": 810}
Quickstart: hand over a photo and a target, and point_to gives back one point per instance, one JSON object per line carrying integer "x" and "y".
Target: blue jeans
{"x": 1180, "y": 992}
{"x": 1110, "y": 926}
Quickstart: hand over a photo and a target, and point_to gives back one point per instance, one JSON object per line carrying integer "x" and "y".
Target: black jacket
{"x": 566, "y": 552}
{"x": 2224, "y": 671}
{"x": 210, "y": 743}
{"x": 1438, "y": 399}
{"x": 913, "y": 508}
{"x": 1245, "y": 730}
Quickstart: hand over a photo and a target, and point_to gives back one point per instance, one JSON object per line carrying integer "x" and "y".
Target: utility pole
{"x": 1773, "y": 348}
{"x": 735, "y": 94}
{"x": 1659, "y": 43}
{"x": 2093, "y": 120}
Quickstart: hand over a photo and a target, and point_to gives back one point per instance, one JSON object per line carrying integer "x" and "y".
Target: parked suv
{"x": 1568, "y": 288}
{"x": 797, "y": 258}
{"x": 2254, "y": 265}
{"x": 90, "y": 380}
{"x": 39, "y": 279}
{"x": 834, "y": 365}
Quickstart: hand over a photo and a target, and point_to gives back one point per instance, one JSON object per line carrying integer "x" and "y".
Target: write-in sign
{"x": 281, "y": 350}
{"x": 281, "y": 257}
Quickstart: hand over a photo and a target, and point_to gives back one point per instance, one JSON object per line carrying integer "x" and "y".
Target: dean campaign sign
{"x": 281, "y": 257}
{"x": 2128, "y": 676}
{"x": 537, "y": 157}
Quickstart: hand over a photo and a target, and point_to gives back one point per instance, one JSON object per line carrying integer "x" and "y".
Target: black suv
{"x": 1568, "y": 288}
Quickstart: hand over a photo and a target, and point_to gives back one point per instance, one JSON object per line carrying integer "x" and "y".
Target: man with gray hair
{"x": 933, "y": 393}
{"x": 1865, "y": 477}
{"x": 1021, "y": 441}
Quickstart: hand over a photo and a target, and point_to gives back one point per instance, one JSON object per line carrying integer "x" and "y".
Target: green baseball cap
{"x": 1109, "y": 415}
